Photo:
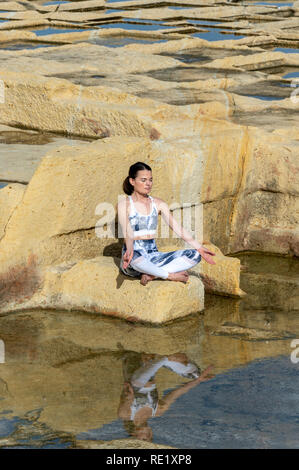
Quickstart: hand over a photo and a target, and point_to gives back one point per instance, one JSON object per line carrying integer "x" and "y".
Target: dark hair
{"x": 127, "y": 187}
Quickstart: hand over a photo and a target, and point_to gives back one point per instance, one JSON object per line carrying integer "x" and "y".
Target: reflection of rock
{"x": 74, "y": 397}
{"x": 272, "y": 284}
{"x": 251, "y": 334}
{"x": 55, "y": 338}
{"x": 4, "y": 392}
{"x": 29, "y": 432}
{"x": 119, "y": 444}
{"x": 64, "y": 363}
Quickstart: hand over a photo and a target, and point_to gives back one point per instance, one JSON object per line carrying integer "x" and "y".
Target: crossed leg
{"x": 174, "y": 270}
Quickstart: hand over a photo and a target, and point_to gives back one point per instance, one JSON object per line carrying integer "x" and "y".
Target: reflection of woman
{"x": 138, "y": 217}
{"x": 140, "y": 400}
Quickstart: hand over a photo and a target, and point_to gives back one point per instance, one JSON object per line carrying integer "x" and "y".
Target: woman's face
{"x": 143, "y": 182}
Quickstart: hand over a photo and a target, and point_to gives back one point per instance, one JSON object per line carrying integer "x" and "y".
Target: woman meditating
{"x": 138, "y": 216}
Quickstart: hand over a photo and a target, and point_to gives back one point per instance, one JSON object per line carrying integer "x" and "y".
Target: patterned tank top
{"x": 143, "y": 224}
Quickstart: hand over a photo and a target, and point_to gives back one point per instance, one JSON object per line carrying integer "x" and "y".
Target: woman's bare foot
{"x": 181, "y": 276}
{"x": 145, "y": 278}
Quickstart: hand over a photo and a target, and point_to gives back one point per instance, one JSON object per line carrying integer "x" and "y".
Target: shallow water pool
{"x": 224, "y": 378}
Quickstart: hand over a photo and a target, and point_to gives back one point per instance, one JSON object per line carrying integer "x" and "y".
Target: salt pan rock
{"x": 96, "y": 285}
{"x": 10, "y": 197}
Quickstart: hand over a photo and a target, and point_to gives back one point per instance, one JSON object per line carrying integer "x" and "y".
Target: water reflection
{"x": 140, "y": 398}
{"x": 72, "y": 379}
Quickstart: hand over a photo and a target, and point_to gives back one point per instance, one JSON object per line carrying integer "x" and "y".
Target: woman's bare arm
{"x": 166, "y": 401}
{"x": 123, "y": 217}
{"x": 182, "y": 232}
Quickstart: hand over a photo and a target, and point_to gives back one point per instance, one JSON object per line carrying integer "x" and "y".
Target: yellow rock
{"x": 251, "y": 199}
{"x": 96, "y": 285}
{"x": 222, "y": 278}
{"x": 26, "y": 23}
{"x": 266, "y": 212}
{"x": 10, "y": 197}
{"x": 78, "y": 6}
{"x": 60, "y": 225}
{"x": 252, "y": 61}
{"x": 12, "y": 6}
{"x": 59, "y": 106}
{"x": 22, "y": 15}
{"x": 10, "y": 36}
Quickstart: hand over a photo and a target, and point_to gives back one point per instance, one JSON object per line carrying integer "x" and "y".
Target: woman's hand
{"x": 205, "y": 375}
{"x": 128, "y": 389}
{"x": 127, "y": 258}
{"x": 206, "y": 255}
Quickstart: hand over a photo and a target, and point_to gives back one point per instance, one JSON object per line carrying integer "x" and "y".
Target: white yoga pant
{"x": 148, "y": 260}
{"x": 147, "y": 372}
{"x": 180, "y": 263}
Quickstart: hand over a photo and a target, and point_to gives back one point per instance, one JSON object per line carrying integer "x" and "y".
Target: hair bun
{"x": 138, "y": 166}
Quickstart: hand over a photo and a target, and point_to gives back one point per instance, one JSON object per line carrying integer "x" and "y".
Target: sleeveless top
{"x": 143, "y": 224}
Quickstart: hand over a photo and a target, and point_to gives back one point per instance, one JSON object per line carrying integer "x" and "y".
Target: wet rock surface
{"x": 22, "y": 150}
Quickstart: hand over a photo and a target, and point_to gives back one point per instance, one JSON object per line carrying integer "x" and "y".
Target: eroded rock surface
{"x": 175, "y": 77}
{"x": 96, "y": 285}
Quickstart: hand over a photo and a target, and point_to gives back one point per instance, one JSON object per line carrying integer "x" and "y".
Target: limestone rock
{"x": 10, "y": 197}
{"x": 12, "y": 6}
{"x": 96, "y": 285}
{"x": 262, "y": 209}
{"x": 267, "y": 209}
{"x": 95, "y": 112}
{"x": 23, "y": 15}
{"x": 62, "y": 227}
{"x": 222, "y": 278}
{"x": 251, "y": 62}
{"x": 10, "y": 36}
{"x": 78, "y": 6}
{"x": 22, "y": 150}
{"x": 26, "y": 23}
